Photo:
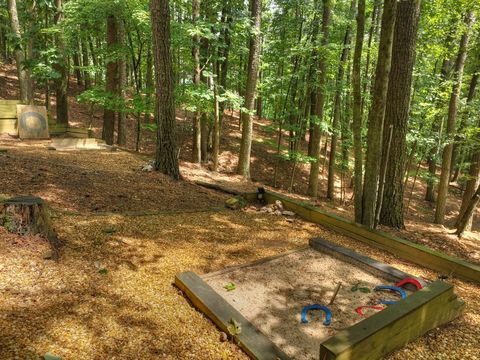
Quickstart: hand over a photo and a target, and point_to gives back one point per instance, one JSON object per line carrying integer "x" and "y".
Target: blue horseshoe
{"x": 397, "y": 289}
{"x": 328, "y": 313}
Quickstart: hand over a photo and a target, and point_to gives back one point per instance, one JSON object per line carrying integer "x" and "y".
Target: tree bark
{"x": 166, "y": 157}
{"x": 61, "y": 83}
{"x": 122, "y": 82}
{"x": 474, "y": 169}
{"x": 253, "y": 64}
{"x": 357, "y": 111}
{"x": 24, "y": 75}
{"x": 337, "y": 104}
{"x": 377, "y": 113}
{"x": 216, "y": 120}
{"x": 452, "y": 116}
{"x": 397, "y": 111}
{"x": 196, "y": 149}
{"x": 111, "y": 80}
{"x": 468, "y": 214}
{"x": 319, "y": 102}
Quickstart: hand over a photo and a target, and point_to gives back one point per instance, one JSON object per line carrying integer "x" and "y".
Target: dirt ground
{"x": 111, "y": 294}
{"x": 271, "y": 295}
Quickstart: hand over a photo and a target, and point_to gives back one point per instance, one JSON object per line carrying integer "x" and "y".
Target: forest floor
{"x": 127, "y": 234}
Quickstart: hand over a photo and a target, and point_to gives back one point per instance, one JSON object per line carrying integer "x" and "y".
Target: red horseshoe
{"x": 359, "y": 310}
{"x": 410, "y": 281}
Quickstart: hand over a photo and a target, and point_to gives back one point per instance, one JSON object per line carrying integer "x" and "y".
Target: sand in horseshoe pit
{"x": 271, "y": 296}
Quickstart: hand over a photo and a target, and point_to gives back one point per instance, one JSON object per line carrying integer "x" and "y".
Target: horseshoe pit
{"x": 320, "y": 302}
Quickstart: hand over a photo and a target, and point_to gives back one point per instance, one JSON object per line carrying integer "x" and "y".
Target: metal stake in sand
{"x": 339, "y": 285}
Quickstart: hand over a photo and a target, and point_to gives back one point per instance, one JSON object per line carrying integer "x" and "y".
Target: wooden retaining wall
{"x": 405, "y": 249}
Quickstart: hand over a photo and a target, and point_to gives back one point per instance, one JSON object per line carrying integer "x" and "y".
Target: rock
{"x": 288, "y": 213}
{"x": 279, "y": 205}
{"x": 277, "y": 212}
{"x": 223, "y": 337}
{"x": 147, "y": 168}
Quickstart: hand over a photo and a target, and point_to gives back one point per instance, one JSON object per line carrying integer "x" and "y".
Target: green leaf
{"x": 230, "y": 286}
{"x": 234, "y": 328}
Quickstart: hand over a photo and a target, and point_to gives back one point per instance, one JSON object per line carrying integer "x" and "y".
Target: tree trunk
{"x": 452, "y": 116}
{"x": 61, "y": 83}
{"x": 166, "y": 158}
{"x": 337, "y": 104}
{"x": 227, "y": 20}
{"x": 474, "y": 169}
{"x": 196, "y": 149}
{"x": 319, "y": 102}
{"x": 24, "y": 75}
{"x": 76, "y": 63}
{"x": 377, "y": 113}
{"x": 85, "y": 64}
{"x": 216, "y": 120}
{"x": 397, "y": 111}
{"x": 468, "y": 214}
{"x": 27, "y": 215}
{"x": 122, "y": 82}
{"x": 357, "y": 111}
{"x": 253, "y": 64}
{"x": 111, "y": 80}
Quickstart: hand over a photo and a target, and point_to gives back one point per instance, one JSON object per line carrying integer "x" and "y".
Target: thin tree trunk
{"x": 337, "y": 104}
{"x": 357, "y": 111}
{"x": 24, "y": 75}
{"x": 397, "y": 111}
{"x": 122, "y": 83}
{"x": 468, "y": 214}
{"x": 216, "y": 122}
{"x": 196, "y": 148}
{"x": 85, "y": 65}
{"x": 76, "y": 63}
{"x": 474, "y": 169}
{"x": 61, "y": 83}
{"x": 111, "y": 80}
{"x": 452, "y": 116}
{"x": 166, "y": 157}
{"x": 253, "y": 64}
{"x": 319, "y": 102}
{"x": 377, "y": 113}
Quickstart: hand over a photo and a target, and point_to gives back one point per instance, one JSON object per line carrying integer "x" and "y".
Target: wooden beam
{"x": 250, "y": 339}
{"x": 395, "y": 326}
{"x": 405, "y": 249}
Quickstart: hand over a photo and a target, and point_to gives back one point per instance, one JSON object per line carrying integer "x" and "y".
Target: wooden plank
{"x": 253, "y": 263}
{"x": 8, "y": 126}
{"x": 339, "y": 251}
{"x": 203, "y": 297}
{"x": 8, "y": 111}
{"x": 395, "y": 326}
{"x": 400, "y": 247}
{"x": 10, "y": 102}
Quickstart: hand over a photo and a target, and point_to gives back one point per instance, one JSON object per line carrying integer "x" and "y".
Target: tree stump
{"x": 28, "y": 215}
